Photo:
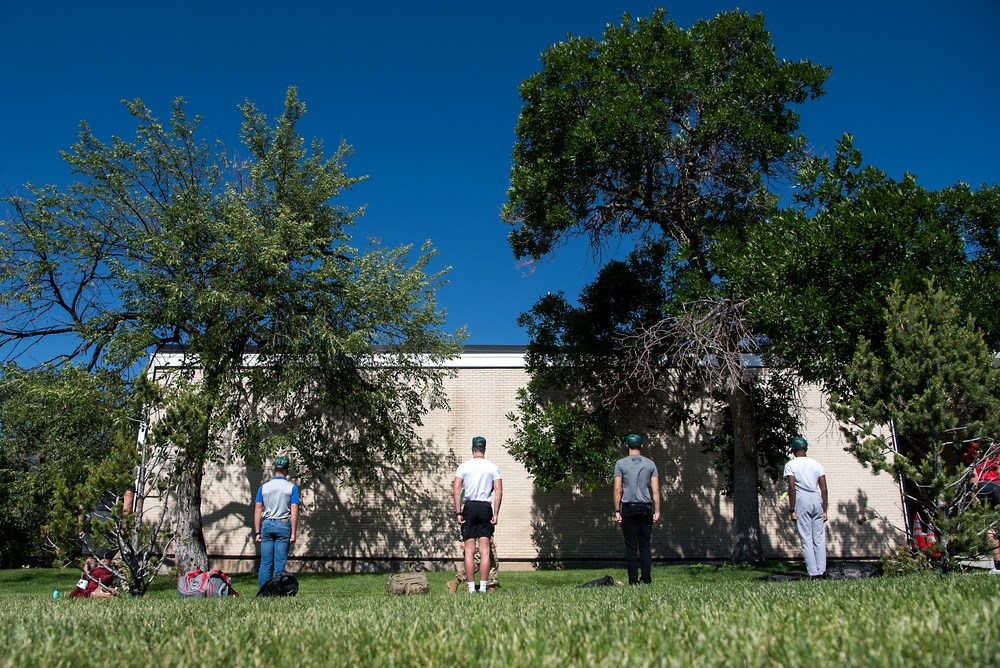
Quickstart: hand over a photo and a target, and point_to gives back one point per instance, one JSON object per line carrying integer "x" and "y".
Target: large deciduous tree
{"x": 296, "y": 340}
{"x": 665, "y": 139}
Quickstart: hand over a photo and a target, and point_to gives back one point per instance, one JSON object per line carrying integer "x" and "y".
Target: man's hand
{"x": 493, "y": 520}
{"x": 257, "y": 537}
{"x": 656, "y": 517}
{"x": 291, "y": 539}
{"x": 618, "y": 518}
{"x": 795, "y": 517}
{"x": 461, "y": 520}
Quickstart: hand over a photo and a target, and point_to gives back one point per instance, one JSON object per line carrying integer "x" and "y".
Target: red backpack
{"x": 205, "y": 584}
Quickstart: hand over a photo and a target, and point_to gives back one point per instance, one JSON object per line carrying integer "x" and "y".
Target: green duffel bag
{"x": 401, "y": 584}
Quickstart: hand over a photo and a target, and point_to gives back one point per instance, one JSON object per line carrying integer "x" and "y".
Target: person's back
{"x": 478, "y": 480}
{"x": 276, "y": 517}
{"x": 637, "y": 508}
{"x": 807, "y": 499}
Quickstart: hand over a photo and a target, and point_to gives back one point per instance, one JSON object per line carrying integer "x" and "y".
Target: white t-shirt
{"x": 477, "y": 476}
{"x": 807, "y": 473}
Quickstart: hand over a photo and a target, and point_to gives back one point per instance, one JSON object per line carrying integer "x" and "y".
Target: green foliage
{"x": 774, "y": 397}
{"x": 655, "y": 131}
{"x": 56, "y": 424}
{"x": 559, "y": 445}
{"x": 665, "y": 140}
{"x": 166, "y": 240}
{"x": 691, "y": 615}
{"x": 906, "y": 560}
{"x": 820, "y": 271}
{"x": 936, "y": 387}
{"x": 228, "y": 257}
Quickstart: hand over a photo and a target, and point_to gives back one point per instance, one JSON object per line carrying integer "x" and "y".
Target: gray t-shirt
{"x": 635, "y": 472}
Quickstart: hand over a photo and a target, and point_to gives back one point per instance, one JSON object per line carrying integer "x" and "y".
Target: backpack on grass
{"x": 606, "y": 581}
{"x": 205, "y": 584}
{"x": 402, "y": 584}
{"x": 851, "y": 570}
{"x": 282, "y": 584}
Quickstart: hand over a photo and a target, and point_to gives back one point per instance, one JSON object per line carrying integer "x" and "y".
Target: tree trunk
{"x": 746, "y": 510}
{"x": 190, "y": 540}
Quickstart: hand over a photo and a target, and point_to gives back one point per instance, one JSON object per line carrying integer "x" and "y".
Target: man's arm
{"x": 295, "y": 522}
{"x": 822, "y": 491}
{"x": 456, "y": 489}
{"x": 790, "y": 479}
{"x": 128, "y": 501}
{"x": 618, "y": 499}
{"x": 497, "y": 498}
{"x": 654, "y": 486}
{"x": 258, "y": 509}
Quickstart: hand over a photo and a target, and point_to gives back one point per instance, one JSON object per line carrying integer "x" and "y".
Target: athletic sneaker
{"x": 994, "y": 571}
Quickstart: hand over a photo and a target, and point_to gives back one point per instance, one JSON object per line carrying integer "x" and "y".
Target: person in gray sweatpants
{"x": 807, "y": 499}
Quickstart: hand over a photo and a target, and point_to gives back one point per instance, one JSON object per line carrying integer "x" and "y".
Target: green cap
{"x": 798, "y": 443}
{"x": 633, "y": 441}
{"x": 281, "y": 462}
{"x": 479, "y": 443}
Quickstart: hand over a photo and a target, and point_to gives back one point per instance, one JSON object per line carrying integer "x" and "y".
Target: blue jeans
{"x": 274, "y": 544}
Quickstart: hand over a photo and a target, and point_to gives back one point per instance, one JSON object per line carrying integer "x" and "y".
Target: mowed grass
{"x": 692, "y": 615}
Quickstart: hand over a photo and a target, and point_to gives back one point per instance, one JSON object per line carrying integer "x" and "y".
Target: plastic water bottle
{"x": 55, "y": 594}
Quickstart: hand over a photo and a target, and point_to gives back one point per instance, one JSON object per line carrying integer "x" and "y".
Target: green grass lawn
{"x": 692, "y": 615}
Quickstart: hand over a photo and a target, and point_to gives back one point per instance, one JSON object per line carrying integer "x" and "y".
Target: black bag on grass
{"x": 606, "y": 581}
{"x": 282, "y": 584}
{"x": 851, "y": 570}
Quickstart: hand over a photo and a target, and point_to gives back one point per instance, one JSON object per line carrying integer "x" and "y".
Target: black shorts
{"x": 478, "y": 516}
{"x": 989, "y": 493}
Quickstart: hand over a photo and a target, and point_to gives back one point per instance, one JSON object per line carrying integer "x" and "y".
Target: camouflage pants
{"x": 491, "y": 583}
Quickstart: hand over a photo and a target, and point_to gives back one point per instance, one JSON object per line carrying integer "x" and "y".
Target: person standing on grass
{"x": 478, "y": 479}
{"x": 275, "y": 521}
{"x": 807, "y": 499}
{"x": 637, "y": 508}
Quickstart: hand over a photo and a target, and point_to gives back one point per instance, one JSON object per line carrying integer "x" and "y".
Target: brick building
{"x": 411, "y": 518}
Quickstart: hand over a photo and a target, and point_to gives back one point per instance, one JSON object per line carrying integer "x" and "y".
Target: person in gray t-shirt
{"x": 637, "y": 507}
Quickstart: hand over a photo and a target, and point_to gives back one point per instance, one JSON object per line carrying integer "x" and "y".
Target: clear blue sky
{"x": 426, "y": 93}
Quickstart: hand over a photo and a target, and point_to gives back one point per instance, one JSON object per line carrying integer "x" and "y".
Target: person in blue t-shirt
{"x": 275, "y": 521}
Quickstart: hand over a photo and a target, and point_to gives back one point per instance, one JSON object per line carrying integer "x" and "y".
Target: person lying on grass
{"x": 95, "y": 581}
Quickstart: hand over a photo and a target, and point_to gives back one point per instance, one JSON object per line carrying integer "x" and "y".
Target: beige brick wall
{"x": 411, "y": 518}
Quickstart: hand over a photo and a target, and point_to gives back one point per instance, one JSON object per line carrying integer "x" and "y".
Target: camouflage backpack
{"x": 401, "y": 584}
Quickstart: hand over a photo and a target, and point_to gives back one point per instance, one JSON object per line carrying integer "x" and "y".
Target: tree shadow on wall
{"x": 859, "y": 532}
{"x": 231, "y": 524}
{"x": 407, "y": 519}
{"x": 575, "y": 528}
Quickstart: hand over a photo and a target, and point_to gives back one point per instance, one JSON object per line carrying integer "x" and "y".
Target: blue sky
{"x": 427, "y": 96}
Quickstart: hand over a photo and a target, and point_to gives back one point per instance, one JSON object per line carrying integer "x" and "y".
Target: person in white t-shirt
{"x": 478, "y": 479}
{"x": 807, "y": 499}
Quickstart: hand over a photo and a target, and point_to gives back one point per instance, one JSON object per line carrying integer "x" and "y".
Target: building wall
{"x": 411, "y": 517}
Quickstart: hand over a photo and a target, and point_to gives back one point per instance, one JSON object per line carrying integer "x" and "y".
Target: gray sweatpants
{"x": 812, "y": 531}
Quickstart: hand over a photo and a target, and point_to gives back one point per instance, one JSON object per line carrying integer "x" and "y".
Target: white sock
{"x": 472, "y": 587}
{"x": 482, "y": 587}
